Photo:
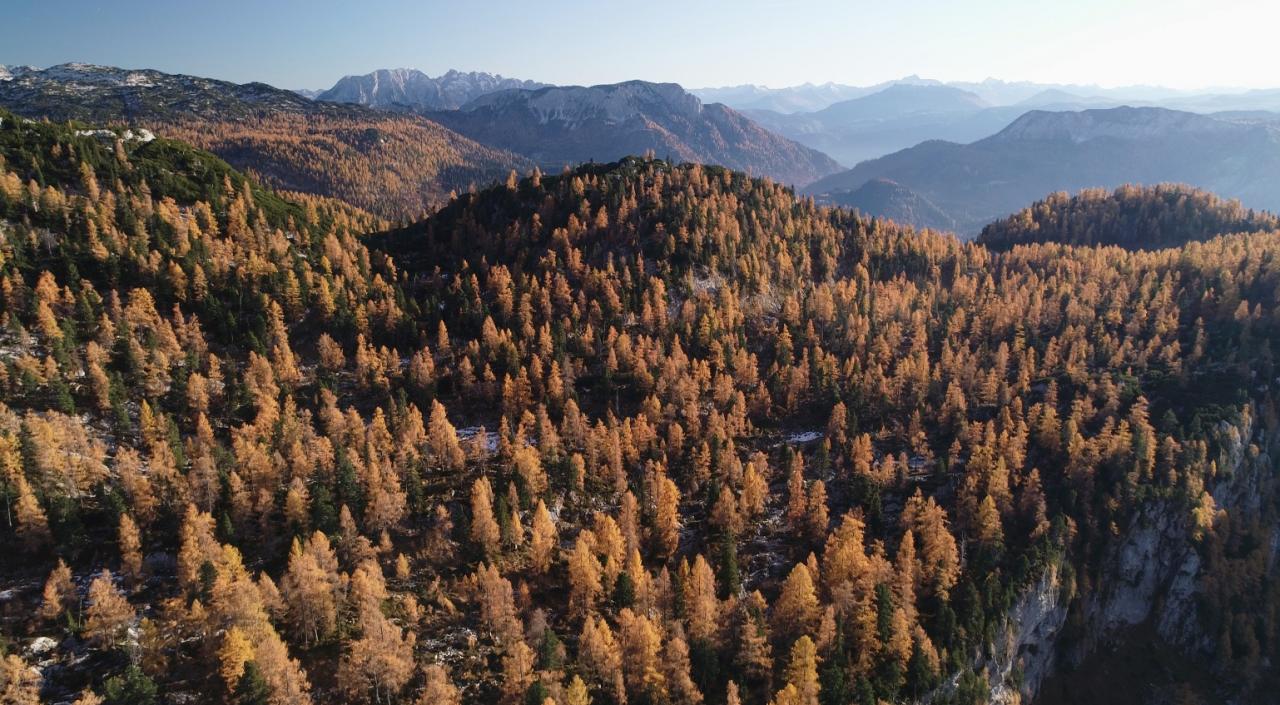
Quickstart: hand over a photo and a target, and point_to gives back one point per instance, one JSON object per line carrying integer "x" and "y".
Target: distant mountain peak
{"x": 885, "y": 198}
{"x": 614, "y": 103}
{"x": 1043, "y": 152}
{"x": 412, "y": 89}
{"x": 560, "y": 125}
{"x": 86, "y": 91}
{"x": 1128, "y": 123}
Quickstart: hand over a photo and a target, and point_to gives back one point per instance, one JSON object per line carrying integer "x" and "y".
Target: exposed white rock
{"x": 1151, "y": 574}
{"x": 410, "y": 88}
{"x": 40, "y": 646}
{"x": 804, "y": 437}
{"x": 1030, "y": 643}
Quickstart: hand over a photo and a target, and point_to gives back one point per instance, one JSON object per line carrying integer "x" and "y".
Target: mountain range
{"x": 853, "y": 124}
{"x": 809, "y": 97}
{"x": 900, "y": 116}
{"x": 405, "y": 161}
{"x": 563, "y": 125}
{"x": 1042, "y": 152}
{"x": 410, "y": 89}
{"x": 926, "y": 153}
{"x": 92, "y": 93}
{"x": 396, "y": 166}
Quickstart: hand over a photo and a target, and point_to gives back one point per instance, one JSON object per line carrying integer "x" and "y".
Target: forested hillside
{"x": 398, "y": 167}
{"x": 632, "y": 433}
{"x": 1133, "y": 217}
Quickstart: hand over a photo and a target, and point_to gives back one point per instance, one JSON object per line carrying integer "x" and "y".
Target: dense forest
{"x": 1133, "y": 217}
{"x": 634, "y": 433}
{"x": 396, "y": 167}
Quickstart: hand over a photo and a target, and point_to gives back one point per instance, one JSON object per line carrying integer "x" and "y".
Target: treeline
{"x": 1133, "y": 217}
{"x": 633, "y": 433}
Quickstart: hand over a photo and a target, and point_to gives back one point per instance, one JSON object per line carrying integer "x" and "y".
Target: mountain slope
{"x": 414, "y": 90}
{"x": 395, "y": 166}
{"x": 1043, "y": 152}
{"x": 565, "y": 125}
{"x": 883, "y": 198}
{"x": 901, "y": 100}
{"x": 795, "y": 99}
{"x": 897, "y": 117}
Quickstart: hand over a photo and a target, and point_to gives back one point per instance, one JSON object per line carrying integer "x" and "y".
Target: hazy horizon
{"x": 686, "y": 86}
{"x": 1180, "y": 45}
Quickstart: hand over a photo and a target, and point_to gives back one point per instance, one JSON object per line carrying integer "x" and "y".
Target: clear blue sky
{"x": 310, "y": 44}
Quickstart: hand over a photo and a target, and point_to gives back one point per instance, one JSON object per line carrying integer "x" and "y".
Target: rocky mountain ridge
{"x": 411, "y": 89}
{"x": 573, "y": 124}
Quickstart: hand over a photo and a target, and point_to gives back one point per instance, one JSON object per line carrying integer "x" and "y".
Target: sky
{"x": 697, "y": 43}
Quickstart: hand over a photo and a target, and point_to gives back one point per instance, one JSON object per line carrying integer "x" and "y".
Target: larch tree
{"x": 437, "y": 687}
{"x": 702, "y": 609}
{"x": 666, "y": 519}
{"x": 906, "y": 576}
{"x": 310, "y": 588}
{"x": 130, "y": 548}
{"x": 789, "y": 695}
{"x": 938, "y": 554}
{"x": 19, "y": 683}
{"x": 754, "y": 656}
{"x": 797, "y": 502}
{"x": 59, "y": 592}
{"x": 109, "y": 613}
{"x": 585, "y": 585}
{"x": 802, "y": 671}
{"x": 379, "y": 663}
{"x": 1032, "y": 505}
{"x": 817, "y": 516}
{"x": 641, "y": 643}
{"x": 484, "y": 528}
{"x": 796, "y": 611}
{"x": 517, "y": 671}
{"x": 575, "y": 693}
{"x": 528, "y": 468}
{"x": 283, "y": 675}
{"x": 497, "y": 606}
{"x": 599, "y": 655}
{"x": 236, "y": 650}
{"x": 442, "y": 439}
{"x": 677, "y": 671}
{"x": 385, "y": 499}
{"x": 33, "y": 524}
{"x": 988, "y": 527}
{"x": 543, "y": 539}
{"x": 755, "y": 490}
